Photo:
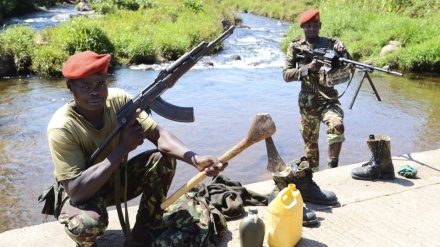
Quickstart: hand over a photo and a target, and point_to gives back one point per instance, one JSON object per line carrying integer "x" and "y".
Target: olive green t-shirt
{"x": 73, "y": 139}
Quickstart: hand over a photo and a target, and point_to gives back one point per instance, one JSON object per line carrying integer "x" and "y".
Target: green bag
{"x": 53, "y": 197}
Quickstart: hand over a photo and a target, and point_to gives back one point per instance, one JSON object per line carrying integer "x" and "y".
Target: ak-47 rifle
{"x": 149, "y": 98}
{"x": 332, "y": 59}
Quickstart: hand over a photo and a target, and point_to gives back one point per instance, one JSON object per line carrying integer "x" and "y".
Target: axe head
{"x": 275, "y": 163}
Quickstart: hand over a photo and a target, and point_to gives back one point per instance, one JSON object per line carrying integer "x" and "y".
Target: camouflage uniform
{"x": 149, "y": 173}
{"x": 314, "y": 108}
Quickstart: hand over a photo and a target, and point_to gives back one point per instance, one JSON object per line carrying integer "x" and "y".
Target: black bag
{"x": 53, "y": 197}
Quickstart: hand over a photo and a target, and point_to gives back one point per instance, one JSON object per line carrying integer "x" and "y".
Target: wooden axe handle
{"x": 262, "y": 127}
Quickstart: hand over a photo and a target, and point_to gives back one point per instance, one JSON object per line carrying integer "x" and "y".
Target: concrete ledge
{"x": 400, "y": 212}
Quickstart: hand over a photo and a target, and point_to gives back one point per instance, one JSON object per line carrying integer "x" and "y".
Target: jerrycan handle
{"x": 287, "y": 198}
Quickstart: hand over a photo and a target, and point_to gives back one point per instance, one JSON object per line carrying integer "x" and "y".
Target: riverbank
{"x": 401, "y": 212}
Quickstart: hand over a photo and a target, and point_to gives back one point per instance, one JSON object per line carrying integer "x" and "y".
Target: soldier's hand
{"x": 210, "y": 164}
{"x": 307, "y": 52}
{"x": 315, "y": 65}
{"x": 133, "y": 133}
{"x": 339, "y": 47}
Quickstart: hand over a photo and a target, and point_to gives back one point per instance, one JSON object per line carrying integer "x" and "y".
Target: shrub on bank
{"x": 56, "y": 44}
{"x": 17, "y": 41}
{"x": 48, "y": 61}
{"x": 82, "y": 34}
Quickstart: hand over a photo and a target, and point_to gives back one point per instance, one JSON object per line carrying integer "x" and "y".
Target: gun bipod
{"x": 366, "y": 74}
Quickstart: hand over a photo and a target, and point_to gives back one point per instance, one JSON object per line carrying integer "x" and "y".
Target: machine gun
{"x": 149, "y": 98}
{"x": 332, "y": 59}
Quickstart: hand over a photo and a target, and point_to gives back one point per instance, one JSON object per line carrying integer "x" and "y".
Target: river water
{"x": 225, "y": 97}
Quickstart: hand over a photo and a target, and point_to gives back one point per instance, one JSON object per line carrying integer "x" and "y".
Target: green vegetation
{"x": 147, "y": 31}
{"x": 281, "y": 9}
{"x": 18, "y": 41}
{"x": 138, "y": 31}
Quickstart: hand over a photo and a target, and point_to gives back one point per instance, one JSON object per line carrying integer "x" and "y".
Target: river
{"x": 225, "y": 97}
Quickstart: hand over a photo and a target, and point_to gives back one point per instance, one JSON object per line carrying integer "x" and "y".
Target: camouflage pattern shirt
{"x": 296, "y": 69}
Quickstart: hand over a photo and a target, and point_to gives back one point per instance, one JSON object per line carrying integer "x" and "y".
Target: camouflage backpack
{"x": 190, "y": 221}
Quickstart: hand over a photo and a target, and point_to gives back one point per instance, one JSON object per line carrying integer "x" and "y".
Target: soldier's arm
{"x": 292, "y": 71}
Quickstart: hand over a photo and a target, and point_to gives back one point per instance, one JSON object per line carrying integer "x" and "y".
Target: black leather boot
{"x": 380, "y": 165}
{"x": 310, "y": 191}
{"x": 301, "y": 175}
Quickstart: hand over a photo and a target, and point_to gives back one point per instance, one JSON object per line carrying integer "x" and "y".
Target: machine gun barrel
{"x": 370, "y": 67}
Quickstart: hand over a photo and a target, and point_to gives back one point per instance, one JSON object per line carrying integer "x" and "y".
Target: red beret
{"x": 85, "y": 64}
{"x": 309, "y": 15}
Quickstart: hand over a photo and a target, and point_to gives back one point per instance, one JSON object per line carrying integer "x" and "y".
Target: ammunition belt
{"x": 313, "y": 89}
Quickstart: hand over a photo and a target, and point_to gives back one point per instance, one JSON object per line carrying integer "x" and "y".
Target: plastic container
{"x": 284, "y": 224}
{"x": 251, "y": 229}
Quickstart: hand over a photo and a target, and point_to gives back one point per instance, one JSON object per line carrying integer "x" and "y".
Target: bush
{"x": 104, "y": 8}
{"x": 137, "y": 49}
{"x": 18, "y": 42}
{"x": 48, "y": 62}
{"x": 87, "y": 36}
{"x": 422, "y": 57}
{"x": 49, "y": 58}
{"x": 170, "y": 42}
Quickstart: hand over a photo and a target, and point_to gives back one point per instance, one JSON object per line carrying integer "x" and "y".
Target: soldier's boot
{"x": 310, "y": 191}
{"x": 380, "y": 165}
{"x": 333, "y": 153}
{"x": 332, "y": 162}
{"x": 281, "y": 182}
{"x": 309, "y": 217}
{"x": 300, "y": 174}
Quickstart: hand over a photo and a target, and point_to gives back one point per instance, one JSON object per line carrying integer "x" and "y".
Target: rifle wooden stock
{"x": 262, "y": 127}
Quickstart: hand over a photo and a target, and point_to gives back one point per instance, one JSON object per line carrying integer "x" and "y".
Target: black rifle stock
{"x": 149, "y": 98}
{"x": 332, "y": 59}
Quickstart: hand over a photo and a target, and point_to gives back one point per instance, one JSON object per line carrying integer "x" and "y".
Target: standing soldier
{"x": 317, "y": 101}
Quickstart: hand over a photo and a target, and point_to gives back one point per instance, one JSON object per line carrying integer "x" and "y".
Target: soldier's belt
{"x": 309, "y": 89}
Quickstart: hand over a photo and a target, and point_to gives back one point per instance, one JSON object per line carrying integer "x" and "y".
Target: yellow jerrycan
{"x": 284, "y": 224}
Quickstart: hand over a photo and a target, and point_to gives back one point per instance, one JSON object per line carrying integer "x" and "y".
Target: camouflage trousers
{"x": 311, "y": 118}
{"x": 149, "y": 173}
